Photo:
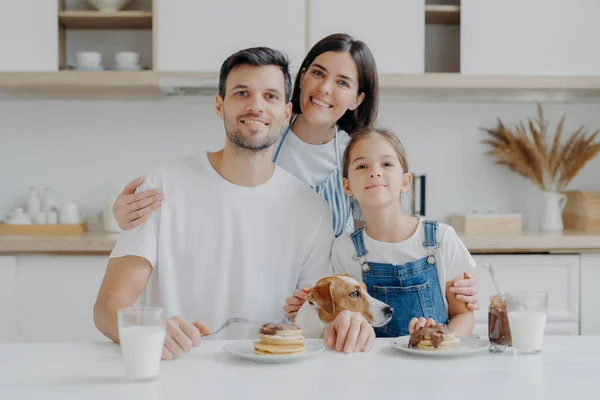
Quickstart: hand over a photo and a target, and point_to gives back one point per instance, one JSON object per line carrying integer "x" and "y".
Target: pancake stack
{"x": 434, "y": 338}
{"x": 279, "y": 339}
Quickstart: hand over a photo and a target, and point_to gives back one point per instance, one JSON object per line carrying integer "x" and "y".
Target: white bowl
{"x": 89, "y": 59}
{"x": 127, "y": 59}
{"x": 108, "y": 5}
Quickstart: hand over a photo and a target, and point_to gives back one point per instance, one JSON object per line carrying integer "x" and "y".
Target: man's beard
{"x": 243, "y": 142}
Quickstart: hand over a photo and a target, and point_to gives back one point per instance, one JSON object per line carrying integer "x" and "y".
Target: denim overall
{"x": 331, "y": 190}
{"x": 412, "y": 289}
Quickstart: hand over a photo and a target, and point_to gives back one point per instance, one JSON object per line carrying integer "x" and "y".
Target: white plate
{"x": 245, "y": 350}
{"x": 468, "y": 345}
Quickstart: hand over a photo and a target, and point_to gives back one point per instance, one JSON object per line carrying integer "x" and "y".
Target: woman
{"x": 336, "y": 92}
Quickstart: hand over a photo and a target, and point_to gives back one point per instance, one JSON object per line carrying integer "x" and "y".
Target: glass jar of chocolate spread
{"x": 498, "y": 328}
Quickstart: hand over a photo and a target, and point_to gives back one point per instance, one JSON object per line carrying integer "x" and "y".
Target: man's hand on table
{"x": 182, "y": 336}
{"x": 350, "y": 332}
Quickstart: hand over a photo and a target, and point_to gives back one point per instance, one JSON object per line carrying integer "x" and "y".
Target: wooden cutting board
{"x": 582, "y": 211}
{"x": 42, "y": 230}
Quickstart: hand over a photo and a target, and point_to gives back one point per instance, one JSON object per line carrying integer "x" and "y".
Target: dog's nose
{"x": 388, "y": 310}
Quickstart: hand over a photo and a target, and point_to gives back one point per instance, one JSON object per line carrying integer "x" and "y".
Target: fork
{"x": 496, "y": 348}
{"x": 230, "y": 321}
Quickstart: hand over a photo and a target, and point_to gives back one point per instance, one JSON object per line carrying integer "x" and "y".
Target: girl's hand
{"x": 466, "y": 291}
{"x": 133, "y": 209}
{"x": 293, "y": 303}
{"x": 419, "y": 323}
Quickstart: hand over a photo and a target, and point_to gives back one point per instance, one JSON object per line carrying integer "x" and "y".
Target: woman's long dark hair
{"x": 366, "y": 113}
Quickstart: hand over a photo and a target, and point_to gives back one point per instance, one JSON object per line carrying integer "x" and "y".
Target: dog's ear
{"x": 321, "y": 296}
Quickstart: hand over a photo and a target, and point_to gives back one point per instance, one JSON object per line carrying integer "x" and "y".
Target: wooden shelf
{"x": 494, "y": 88}
{"x": 446, "y": 81}
{"x": 489, "y": 82}
{"x": 429, "y": 85}
{"x": 81, "y": 83}
{"x": 105, "y": 20}
{"x": 442, "y": 14}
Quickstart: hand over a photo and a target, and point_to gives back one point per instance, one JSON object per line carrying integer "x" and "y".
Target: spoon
{"x": 488, "y": 266}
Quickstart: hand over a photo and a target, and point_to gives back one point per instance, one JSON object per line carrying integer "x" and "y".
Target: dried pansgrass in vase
{"x": 550, "y": 166}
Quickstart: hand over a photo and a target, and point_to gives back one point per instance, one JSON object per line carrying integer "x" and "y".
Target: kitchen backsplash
{"x": 82, "y": 148}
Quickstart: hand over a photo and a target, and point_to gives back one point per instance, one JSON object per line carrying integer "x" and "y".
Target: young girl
{"x": 404, "y": 261}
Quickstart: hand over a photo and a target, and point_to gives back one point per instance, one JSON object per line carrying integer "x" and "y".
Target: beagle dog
{"x": 334, "y": 294}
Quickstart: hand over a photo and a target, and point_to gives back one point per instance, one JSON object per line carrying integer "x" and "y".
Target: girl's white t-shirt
{"x": 452, "y": 257}
{"x": 313, "y": 163}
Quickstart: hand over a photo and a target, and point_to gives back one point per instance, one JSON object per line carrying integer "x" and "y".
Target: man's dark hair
{"x": 257, "y": 56}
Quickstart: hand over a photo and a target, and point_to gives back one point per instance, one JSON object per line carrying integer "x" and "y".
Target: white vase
{"x": 551, "y": 214}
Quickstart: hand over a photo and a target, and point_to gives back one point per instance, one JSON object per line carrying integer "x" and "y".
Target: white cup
{"x": 52, "y": 218}
{"x": 40, "y": 218}
{"x": 89, "y": 59}
{"x": 127, "y": 59}
{"x": 527, "y": 313}
{"x": 142, "y": 337}
{"x": 69, "y": 214}
{"x": 109, "y": 222}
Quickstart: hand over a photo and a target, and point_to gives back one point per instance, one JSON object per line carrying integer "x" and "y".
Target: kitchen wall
{"x": 81, "y": 148}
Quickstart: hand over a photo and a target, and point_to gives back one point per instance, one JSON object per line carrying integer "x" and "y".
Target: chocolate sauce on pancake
{"x": 271, "y": 328}
{"x": 436, "y": 334}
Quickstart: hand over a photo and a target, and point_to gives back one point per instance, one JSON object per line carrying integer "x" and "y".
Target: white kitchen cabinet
{"x": 557, "y": 274}
{"x": 539, "y": 37}
{"x": 393, "y": 30}
{"x": 55, "y": 297}
{"x": 28, "y": 35}
{"x": 198, "y": 36}
{"x": 8, "y": 306}
{"x": 590, "y": 294}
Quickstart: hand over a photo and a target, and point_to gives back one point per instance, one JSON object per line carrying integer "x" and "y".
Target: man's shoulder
{"x": 173, "y": 169}
{"x": 299, "y": 190}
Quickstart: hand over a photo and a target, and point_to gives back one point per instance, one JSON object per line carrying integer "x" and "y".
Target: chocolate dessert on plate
{"x": 437, "y": 337}
{"x": 277, "y": 339}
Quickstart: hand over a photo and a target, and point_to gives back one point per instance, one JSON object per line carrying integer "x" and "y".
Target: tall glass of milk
{"x": 527, "y": 313}
{"x": 142, "y": 337}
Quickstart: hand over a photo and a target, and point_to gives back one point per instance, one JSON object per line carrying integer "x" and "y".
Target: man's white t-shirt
{"x": 452, "y": 257}
{"x": 313, "y": 163}
{"x": 220, "y": 250}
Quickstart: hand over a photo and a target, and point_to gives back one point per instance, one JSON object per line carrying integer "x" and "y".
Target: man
{"x": 237, "y": 234}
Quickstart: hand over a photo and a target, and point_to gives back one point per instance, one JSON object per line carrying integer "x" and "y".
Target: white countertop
{"x": 569, "y": 367}
{"x": 91, "y": 242}
{"x": 567, "y": 241}
{"x": 103, "y": 243}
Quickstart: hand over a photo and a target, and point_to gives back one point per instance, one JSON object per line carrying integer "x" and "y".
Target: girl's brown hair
{"x": 367, "y": 132}
{"x": 368, "y": 83}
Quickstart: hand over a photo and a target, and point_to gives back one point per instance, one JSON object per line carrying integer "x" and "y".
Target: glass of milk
{"x": 527, "y": 320}
{"x": 142, "y": 337}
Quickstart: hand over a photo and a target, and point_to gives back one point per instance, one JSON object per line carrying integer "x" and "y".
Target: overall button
{"x": 431, "y": 260}
{"x": 366, "y": 267}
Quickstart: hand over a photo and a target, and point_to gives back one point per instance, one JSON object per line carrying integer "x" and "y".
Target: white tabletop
{"x": 568, "y": 367}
